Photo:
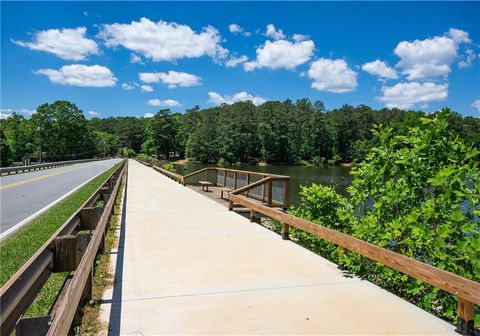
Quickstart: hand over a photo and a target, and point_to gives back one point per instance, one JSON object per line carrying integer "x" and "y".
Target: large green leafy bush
{"x": 416, "y": 194}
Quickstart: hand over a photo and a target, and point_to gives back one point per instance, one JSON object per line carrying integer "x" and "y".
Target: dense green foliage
{"x": 55, "y": 132}
{"x": 416, "y": 194}
{"x": 275, "y": 132}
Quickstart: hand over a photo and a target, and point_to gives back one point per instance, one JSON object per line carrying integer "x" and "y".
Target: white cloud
{"x": 299, "y": 37}
{"x": 281, "y": 54}
{"x": 127, "y": 86}
{"x": 332, "y": 76}
{"x": 234, "y": 61}
{"x": 164, "y": 41}
{"x": 136, "y": 59}
{"x": 166, "y": 102}
{"x": 409, "y": 94}
{"x": 380, "y": 69}
{"x": 93, "y": 113}
{"x": 146, "y": 88}
{"x": 69, "y": 44}
{"x": 430, "y": 58}
{"x": 172, "y": 79}
{"x": 459, "y": 36}
{"x": 80, "y": 75}
{"x": 236, "y": 29}
{"x": 218, "y": 99}
{"x": 476, "y": 104}
{"x": 470, "y": 56}
{"x": 274, "y": 33}
{"x": 148, "y": 115}
{"x": 5, "y": 113}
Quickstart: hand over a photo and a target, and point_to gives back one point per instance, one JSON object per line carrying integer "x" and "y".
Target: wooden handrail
{"x": 251, "y": 186}
{"x": 252, "y": 173}
{"x": 447, "y": 281}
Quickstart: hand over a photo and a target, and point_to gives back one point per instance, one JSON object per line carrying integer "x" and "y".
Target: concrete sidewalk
{"x": 188, "y": 266}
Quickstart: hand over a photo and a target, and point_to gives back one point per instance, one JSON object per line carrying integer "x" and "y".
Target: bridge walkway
{"x": 186, "y": 265}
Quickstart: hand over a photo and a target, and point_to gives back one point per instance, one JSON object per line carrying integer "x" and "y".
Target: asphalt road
{"x": 23, "y": 195}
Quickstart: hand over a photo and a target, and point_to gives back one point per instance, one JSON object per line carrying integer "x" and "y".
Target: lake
{"x": 337, "y": 177}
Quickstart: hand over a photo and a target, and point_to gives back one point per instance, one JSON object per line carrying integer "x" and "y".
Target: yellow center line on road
{"x": 33, "y": 179}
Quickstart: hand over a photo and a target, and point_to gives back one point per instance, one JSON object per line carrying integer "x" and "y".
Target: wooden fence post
{"x": 285, "y": 231}
{"x": 65, "y": 254}
{"x": 269, "y": 192}
{"x": 465, "y": 316}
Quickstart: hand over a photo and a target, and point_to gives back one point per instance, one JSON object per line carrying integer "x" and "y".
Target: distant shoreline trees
{"x": 274, "y": 132}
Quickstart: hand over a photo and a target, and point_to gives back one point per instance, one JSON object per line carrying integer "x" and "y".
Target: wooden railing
{"x": 270, "y": 189}
{"x": 467, "y": 291}
{"x": 66, "y": 250}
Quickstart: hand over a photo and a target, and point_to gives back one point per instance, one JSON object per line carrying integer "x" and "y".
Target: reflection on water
{"x": 337, "y": 177}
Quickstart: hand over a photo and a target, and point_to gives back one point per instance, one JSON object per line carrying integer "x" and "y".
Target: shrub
{"x": 416, "y": 194}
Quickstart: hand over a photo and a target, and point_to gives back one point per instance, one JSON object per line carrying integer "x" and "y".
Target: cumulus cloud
{"x": 274, "y": 33}
{"x": 5, "y": 113}
{"x": 172, "y": 79}
{"x": 148, "y": 115}
{"x": 430, "y": 58}
{"x": 136, "y": 59}
{"x": 68, "y": 44}
{"x": 332, "y": 76}
{"x": 93, "y": 113}
{"x": 459, "y": 36}
{"x": 236, "y": 29}
{"x": 146, "y": 88}
{"x": 166, "y": 102}
{"x": 470, "y": 56}
{"x": 409, "y": 94}
{"x": 217, "y": 99}
{"x": 80, "y": 75}
{"x": 380, "y": 69}
{"x": 164, "y": 41}
{"x": 127, "y": 86}
{"x": 476, "y": 104}
{"x": 234, "y": 61}
{"x": 281, "y": 54}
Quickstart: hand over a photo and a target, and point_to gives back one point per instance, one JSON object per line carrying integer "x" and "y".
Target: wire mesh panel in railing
{"x": 256, "y": 192}
{"x": 229, "y": 183}
{"x": 278, "y": 191}
{"x": 241, "y": 180}
{"x": 220, "y": 177}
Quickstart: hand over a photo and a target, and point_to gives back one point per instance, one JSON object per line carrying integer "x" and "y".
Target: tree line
{"x": 274, "y": 132}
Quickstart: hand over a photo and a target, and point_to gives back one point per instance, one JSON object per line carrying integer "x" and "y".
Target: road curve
{"x": 23, "y": 195}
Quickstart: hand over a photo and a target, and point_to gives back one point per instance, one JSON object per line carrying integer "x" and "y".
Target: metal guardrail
{"x": 67, "y": 250}
{"x": 23, "y": 169}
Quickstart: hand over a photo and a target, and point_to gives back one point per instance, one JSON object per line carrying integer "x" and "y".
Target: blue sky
{"x": 119, "y": 59}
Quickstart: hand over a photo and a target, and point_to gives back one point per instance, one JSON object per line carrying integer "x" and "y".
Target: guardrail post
{"x": 253, "y": 215}
{"x": 465, "y": 316}
{"x": 285, "y": 231}
{"x": 33, "y": 326}
{"x": 87, "y": 293}
{"x": 65, "y": 254}
{"x": 89, "y": 217}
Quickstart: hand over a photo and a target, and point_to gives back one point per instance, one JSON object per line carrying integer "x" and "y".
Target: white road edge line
{"x": 19, "y": 225}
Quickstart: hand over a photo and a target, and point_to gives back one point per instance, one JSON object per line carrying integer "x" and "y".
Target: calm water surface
{"x": 337, "y": 177}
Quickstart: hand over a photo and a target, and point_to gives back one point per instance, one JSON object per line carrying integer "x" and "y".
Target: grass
{"x": 17, "y": 249}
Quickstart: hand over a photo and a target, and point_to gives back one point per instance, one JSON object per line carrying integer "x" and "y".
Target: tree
{"x": 161, "y": 131}
{"x": 61, "y": 132}
{"x": 5, "y": 151}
